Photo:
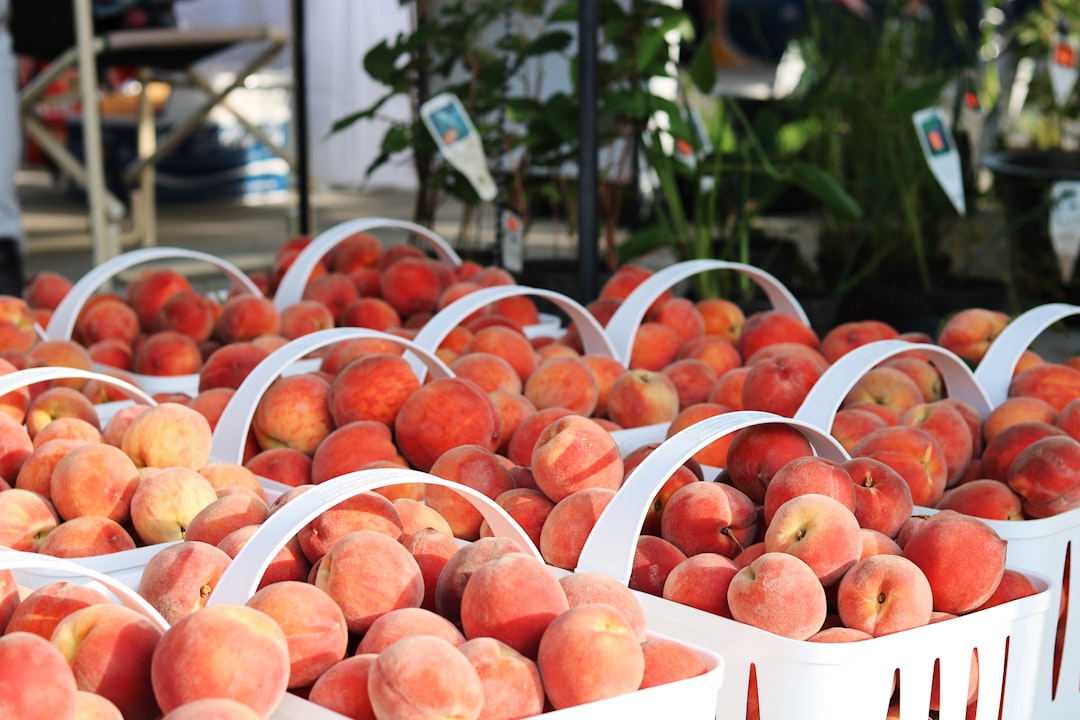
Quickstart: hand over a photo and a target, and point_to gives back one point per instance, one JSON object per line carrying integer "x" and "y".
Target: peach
{"x": 487, "y": 370}
{"x": 16, "y": 447}
{"x": 623, "y": 281}
{"x": 37, "y": 680}
{"x": 372, "y": 387}
{"x": 884, "y": 594}
{"x": 681, "y": 315}
{"x": 723, "y": 317}
{"x": 1013, "y": 586}
{"x": 713, "y": 454}
{"x": 653, "y": 521}
{"x": 415, "y": 515}
{"x": 35, "y": 473}
{"x": 166, "y": 353}
{"x": 983, "y": 498}
{"x": 168, "y": 434}
{"x": 228, "y": 476}
{"x": 589, "y": 653}
{"x": 287, "y": 466}
{"x": 294, "y": 412}
{"x": 15, "y": 402}
{"x": 767, "y": 327}
{"x": 709, "y": 517}
{"x": 606, "y": 370}
{"x": 86, "y": 536}
{"x": 369, "y": 574}
{"x": 1046, "y": 476}
{"x": 424, "y": 676}
{"x": 654, "y": 346}
{"x": 73, "y": 428}
{"x": 343, "y": 687}
{"x": 838, "y": 633}
{"x": 846, "y": 336}
{"x": 109, "y": 648}
{"x": 165, "y": 502}
{"x": 149, "y": 290}
{"x": 106, "y": 317}
{"x": 701, "y": 581}
{"x": 654, "y": 559}
{"x": 882, "y": 497}
{"x": 117, "y": 425}
{"x": 818, "y": 529}
{"x": 694, "y": 380}
{"x": 212, "y": 708}
{"x": 228, "y": 365}
{"x": 969, "y": 332}
{"x": 808, "y": 474}
{"x": 410, "y": 285}
{"x": 566, "y": 382}
{"x": 407, "y": 622}
{"x": 587, "y": 587}
{"x": 91, "y": 706}
{"x": 780, "y": 383}
{"x": 351, "y": 446}
{"x": 927, "y": 476}
{"x": 432, "y": 550}
{"x": 758, "y": 451}
{"x": 511, "y": 681}
{"x": 569, "y": 524}
{"x": 512, "y": 408}
{"x": 522, "y": 309}
{"x": 952, "y": 432}
{"x": 190, "y": 313}
{"x": 1056, "y": 383}
{"x": 179, "y": 578}
{"x": 460, "y": 567}
{"x": 1068, "y": 419}
{"x": 668, "y": 661}
{"x": 887, "y": 414}
{"x": 224, "y": 515}
{"x": 26, "y": 518}
{"x": 366, "y": 510}
{"x": 642, "y": 397}
{"x": 246, "y": 317}
{"x": 185, "y": 667}
{"x": 875, "y": 542}
{"x": 885, "y": 385}
{"x": 507, "y": 343}
{"x": 1001, "y": 451}
{"x": 314, "y": 627}
{"x": 963, "y": 558}
{"x": 94, "y": 479}
{"x": 778, "y": 592}
{"x": 60, "y": 352}
{"x": 850, "y": 424}
{"x": 923, "y": 371}
{"x": 1020, "y": 408}
{"x": 42, "y": 608}
{"x": 476, "y": 467}
{"x": 288, "y": 563}
{"x": 574, "y": 453}
{"x": 421, "y": 433}
{"x": 524, "y": 438}
{"x": 45, "y": 289}
{"x": 57, "y": 402}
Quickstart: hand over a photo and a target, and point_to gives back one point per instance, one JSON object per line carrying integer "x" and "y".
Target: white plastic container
{"x": 691, "y": 699}
{"x": 62, "y": 323}
{"x": 824, "y": 681}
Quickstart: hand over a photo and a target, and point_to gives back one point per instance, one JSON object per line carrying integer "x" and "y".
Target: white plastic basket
{"x": 822, "y": 681}
{"x": 62, "y": 323}
{"x": 693, "y": 699}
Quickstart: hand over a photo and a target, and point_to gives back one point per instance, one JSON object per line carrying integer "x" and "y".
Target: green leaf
{"x": 825, "y": 187}
{"x": 916, "y": 98}
{"x": 702, "y": 70}
{"x": 555, "y": 41}
{"x": 643, "y": 242}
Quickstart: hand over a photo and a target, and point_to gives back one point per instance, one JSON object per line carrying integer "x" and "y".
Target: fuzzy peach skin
{"x": 846, "y": 336}
{"x": 95, "y": 479}
{"x": 574, "y": 453}
{"x": 768, "y": 327}
{"x": 512, "y": 598}
{"x": 211, "y": 709}
{"x": 364, "y": 511}
{"x": 586, "y": 587}
{"x": 165, "y": 502}
{"x": 882, "y": 497}
{"x": 642, "y": 397}
{"x": 589, "y": 653}
{"x": 818, "y": 529}
{"x": 87, "y": 536}
{"x": 314, "y": 627}
{"x": 168, "y": 434}
{"x": 369, "y": 574}
{"x": 294, "y": 412}
{"x": 36, "y": 681}
{"x": 927, "y": 476}
{"x": 983, "y": 498}
{"x": 179, "y": 579}
{"x": 109, "y": 648}
{"x": 779, "y": 593}
{"x": 886, "y": 386}
{"x": 528, "y": 506}
{"x": 511, "y": 681}
{"x": 432, "y": 550}
{"x": 475, "y": 466}
{"x": 970, "y": 332}
{"x": 459, "y": 569}
{"x": 1047, "y": 476}
{"x": 701, "y": 581}
{"x": 424, "y": 676}
{"x": 654, "y": 559}
{"x": 420, "y": 429}
{"x": 569, "y": 524}
{"x": 779, "y": 383}
{"x": 407, "y": 622}
{"x": 41, "y": 609}
{"x": 1056, "y": 383}
{"x": 343, "y": 688}
{"x": 16, "y": 446}
{"x": 227, "y": 513}
{"x": 804, "y": 474}
{"x": 668, "y": 660}
{"x": 757, "y": 452}
{"x": 91, "y": 706}
{"x": 884, "y": 594}
{"x": 709, "y": 517}
{"x": 185, "y": 667}
{"x": 566, "y": 382}
{"x": 962, "y": 557}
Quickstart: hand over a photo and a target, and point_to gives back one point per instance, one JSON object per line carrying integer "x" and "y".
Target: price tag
{"x": 1063, "y": 68}
{"x": 513, "y": 251}
{"x": 457, "y": 139}
{"x": 941, "y": 154}
{"x": 1065, "y": 224}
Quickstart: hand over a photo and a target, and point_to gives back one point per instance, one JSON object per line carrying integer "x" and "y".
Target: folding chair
{"x": 75, "y": 40}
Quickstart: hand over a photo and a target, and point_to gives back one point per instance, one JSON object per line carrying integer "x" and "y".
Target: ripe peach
{"x": 962, "y": 557}
{"x": 818, "y": 529}
{"x": 875, "y": 542}
{"x": 668, "y": 660}
{"x": 694, "y": 380}
{"x": 424, "y": 676}
{"x": 343, "y": 687}
{"x": 970, "y": 332}
{"x": 168, "y": 434}
{"x": 165, "y": 501}
{"x": 372, "y": 387}
{"x": 211, "y": 708}
{"x": 149, "y": 290}
{"x": 188, "y": 312}
{"x": 654, "y": 346}
{"x": 926, "y": 476}
{"x": 45, "y": 289}
{"x": 57, "y": 402}
{"x": 983, "y": 498}
{"x": 701, "y": 581}
{"x": 227, "y": 513}
{"x": 924, "y": 372}
{"x": 654, "y": 559}
{"x": 882, "y": 497}
{"x": 179, "y": 579}
{"x": 846, "y": 336}
{"x": 35, "y": 473}
{"x": 366, "y": 510}
{"x": 288, "y": 563}
{"x": 779, "y": 593}
{"x": 26, "y": 518}
{"x": 246, "y": 317}
{"x": 779, "y": 384}
{"x": 94, "y": 479}
{"x": 422, "y": 435}
{"x": 228, "y": 365}
{"x": 1020, "y": 408}
{"x": 885, "y": 385}
{"x": 1056, "y": 383}
{"x": 287, "y": 466}
{"x": 509, "y": 344}
{"x": 107, "y": 317}
{"x": 586, "y": 587}
{"x": 476, "y": 467}
{"x": 369, "y": 574}
{"x": 407, "y": 622}
{"x": 410, "y": 285}
{"x": 714, "y": 454}
{"x": 294, "y": 412}
{"x": 569, "y": 523}
{"x": 768, "y": 327}
{"x": 44, "y": 607}
{"x": 73, "y": 428}
{"x": 1046, "y": 475}
{"x": 1001, "y": 451}
{"x": 37, "y": 680}
{"x": 884, "y": 594}
{"x": 574, "y": 453}
{"x": 642, "y": 397}
{"x": 566, "y": 382}
{"x": 91, "y": 706}
{"x": 86, "y": 536}
{"x": 246, "y": 638}
{"x": 351, "y": 446}
{"x": 850, "y": 424}
{"x": 952, "y": 432}
{"x": 709, "y": 517}
{"x": 807, "y": 474}
{"x": 722, "y": 317}
{"x": 758, "y": 451}
{"x": 511, "y": 681}
{"x": 459, "y": 569}
{"x": 1013, "y": 586}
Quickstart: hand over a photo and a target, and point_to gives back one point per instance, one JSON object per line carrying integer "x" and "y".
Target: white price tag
{"x": 939, "y": 148}
{"x": 1063, "y": 68}
{"x": 513, "y": 250}
{"x": 454, "y": 133}
{"x": 1065, "y": 224}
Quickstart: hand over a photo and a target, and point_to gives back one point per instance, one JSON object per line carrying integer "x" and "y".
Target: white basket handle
{"x": 594, "y": 338}
{"x": 610, "y": 546}
{"x": 828, "y": 393}
{"x": 996, "y": 368}
{"x": 53, "y": 568}
{"x": 241, "y": 579}
{"x": 230, "y": 432}
{"x": 290, "y": 289}
{"x": 32, "y": 375}
{"x": 623, "y": 325}
{"x": 62, "y": 323}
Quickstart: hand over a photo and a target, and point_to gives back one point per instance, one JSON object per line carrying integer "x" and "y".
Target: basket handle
{"x": 33, "y": 375}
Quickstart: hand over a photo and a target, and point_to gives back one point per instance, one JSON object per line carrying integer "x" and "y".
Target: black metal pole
{"x": 300, "y": 120}
{"x": 588, "y": 21}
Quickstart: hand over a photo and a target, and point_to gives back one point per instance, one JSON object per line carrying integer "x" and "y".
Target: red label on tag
{"x": 1064, "y": 55}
